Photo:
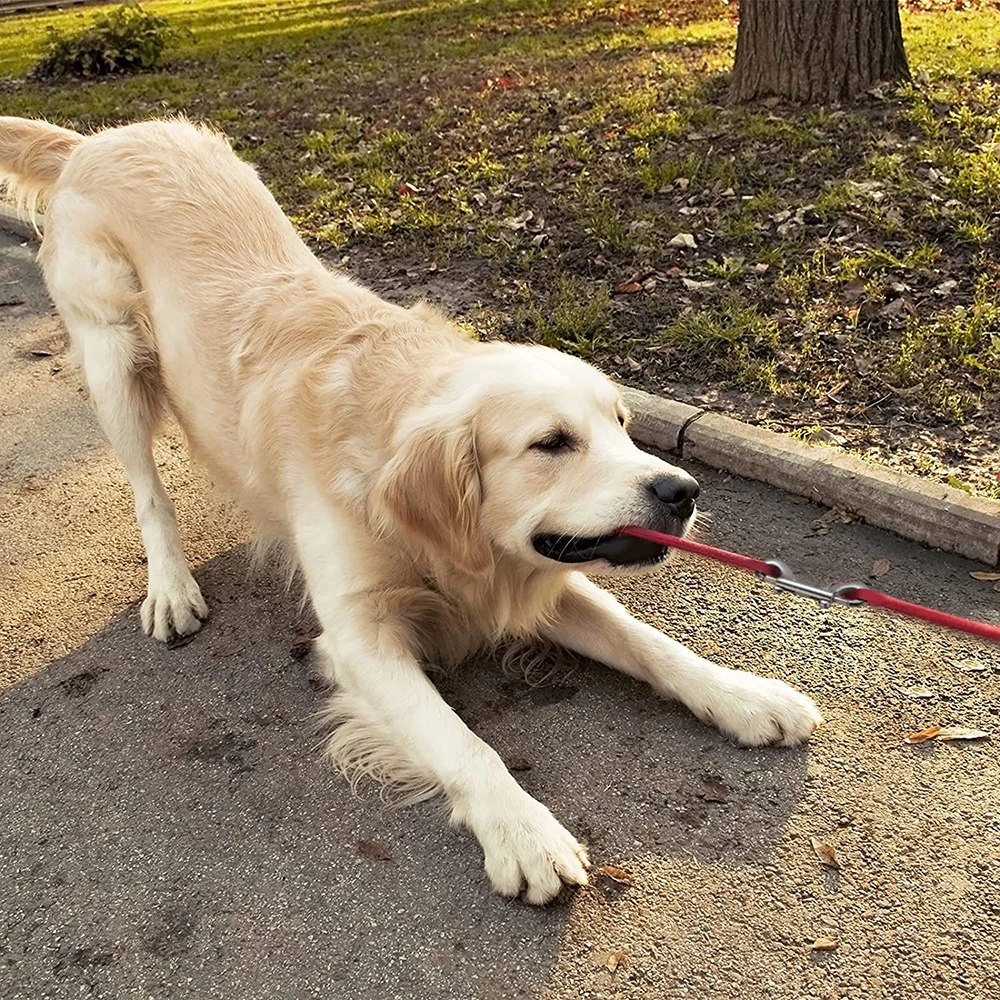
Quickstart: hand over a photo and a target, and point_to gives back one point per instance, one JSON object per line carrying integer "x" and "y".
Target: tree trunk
{"x": 817, "y": 51}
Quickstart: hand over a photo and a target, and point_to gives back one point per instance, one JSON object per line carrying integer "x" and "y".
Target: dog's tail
{"x": 32, "y": 156}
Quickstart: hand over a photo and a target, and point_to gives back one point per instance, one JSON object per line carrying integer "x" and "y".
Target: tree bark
{"x": 817, "y": 51}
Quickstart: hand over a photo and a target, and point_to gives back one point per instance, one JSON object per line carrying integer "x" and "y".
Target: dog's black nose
{"x": 678, "y": 491}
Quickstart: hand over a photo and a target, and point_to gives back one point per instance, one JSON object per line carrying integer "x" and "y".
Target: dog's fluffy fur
{"x": 407, "y": 469}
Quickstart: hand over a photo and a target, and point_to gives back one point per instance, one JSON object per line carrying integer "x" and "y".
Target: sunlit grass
{"x": 431, "y": 129}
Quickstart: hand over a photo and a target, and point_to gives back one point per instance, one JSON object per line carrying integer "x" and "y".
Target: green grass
{"x": 734, "y": 337}
{"x": 552, "y": 149}
{"x": 575, "y": 316}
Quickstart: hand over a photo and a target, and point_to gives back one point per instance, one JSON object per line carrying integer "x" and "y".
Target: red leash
{"x": 846, "y": 593}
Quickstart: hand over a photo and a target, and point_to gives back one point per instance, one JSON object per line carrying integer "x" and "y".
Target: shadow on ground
{"x": 170, "y": 820}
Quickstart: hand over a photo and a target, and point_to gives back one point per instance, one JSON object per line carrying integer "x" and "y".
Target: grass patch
{"x": 552, "y": 150}
{"x": 733, "y": 339}
{"x": 575, "y": 317}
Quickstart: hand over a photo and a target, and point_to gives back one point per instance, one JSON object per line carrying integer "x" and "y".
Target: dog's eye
{"x": 555, "y": 442}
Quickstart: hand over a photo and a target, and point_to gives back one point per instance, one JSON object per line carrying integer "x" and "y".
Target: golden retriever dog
{"x": 438, "y": 494}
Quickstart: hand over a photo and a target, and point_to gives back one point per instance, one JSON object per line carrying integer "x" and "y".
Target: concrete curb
{"x": 932, "y": 513}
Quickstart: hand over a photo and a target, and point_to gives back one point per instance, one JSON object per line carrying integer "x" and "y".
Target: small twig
{"x": 877, "y": 402}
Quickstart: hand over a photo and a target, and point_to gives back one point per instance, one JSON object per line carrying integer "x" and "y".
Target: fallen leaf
{"x": 627, "y": 288}
{"x": 925, "y": 734}
{"x": 879, "y": 568}
{"x": 684, "y": 240}
{"x": 405, "y": 189}
{"x": 697, "y": 285}
{"x": 821, "y": 526}
{"x": 521, "y": 221}
{"x": 497, "y": 83}
{"x": 519, "y": 764}
{"x": 616, "y": 874}
{"x": 897, "y": 307}
{"x": 824, "y": 944}
{"x": 712, "y": 790}
{"x": 40, "y": 354}
{"x": 981, "y": 575}
{"x": 918, "y": 692}
{"x": 373, "y": 850}
{"x": 826, "y": 852}
{"x": 961, "y": 733}
{"x": 946, "y": 287}
{"x": 615, "y": 960}
{"x": 972, "y": 667}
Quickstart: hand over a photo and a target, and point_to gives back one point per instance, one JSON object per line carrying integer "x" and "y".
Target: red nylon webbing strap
{"x": 720, "y": 555}
{"x": 878, "y": 599}
{"x": 841, "y": 594}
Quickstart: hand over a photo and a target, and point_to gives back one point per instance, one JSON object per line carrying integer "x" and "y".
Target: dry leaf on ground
{"x": 821, "y": 526}
{"x": 880, "y": 568}
{"x": 372, "y": 850}
{"x": 616, "y": 874}
{"x": 712, "y": 789}
{"x": 918, "y": 692}
{"x": 519, "y": 764}
{"x": 826, "y": 852}
{"x": 972, "y": 667}
{"x": 627, "y": 288}
{"x": 824, "y": 944}
{"x": 615, "y": 960}
{"x": 983, "y": 575}
{"x": 949, "y": 733}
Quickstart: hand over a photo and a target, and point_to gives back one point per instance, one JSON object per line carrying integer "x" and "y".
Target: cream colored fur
{"x": 402, "y": 464}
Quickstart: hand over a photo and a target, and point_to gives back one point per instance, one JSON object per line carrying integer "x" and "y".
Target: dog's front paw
{"x": 526, "y": 847}
{"x": 173, "y": 606}
{"x": 758, "y": 711}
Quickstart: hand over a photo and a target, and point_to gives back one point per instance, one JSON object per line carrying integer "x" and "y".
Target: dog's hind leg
{"x": 97, "y": 295}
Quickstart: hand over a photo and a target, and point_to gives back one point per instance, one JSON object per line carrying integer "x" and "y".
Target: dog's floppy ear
{"x": 431, "y": 491}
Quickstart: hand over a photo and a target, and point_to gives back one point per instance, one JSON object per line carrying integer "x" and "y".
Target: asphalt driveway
{"x": 170, "y": 829}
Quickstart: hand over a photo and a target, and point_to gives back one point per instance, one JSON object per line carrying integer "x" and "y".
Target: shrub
{"x": 125, "y": 40}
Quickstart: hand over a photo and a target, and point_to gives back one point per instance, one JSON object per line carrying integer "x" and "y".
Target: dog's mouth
{"x": 617, "y": 549}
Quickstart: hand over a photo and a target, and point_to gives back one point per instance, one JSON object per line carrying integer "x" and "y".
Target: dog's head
{"x": 525, "y": 453}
